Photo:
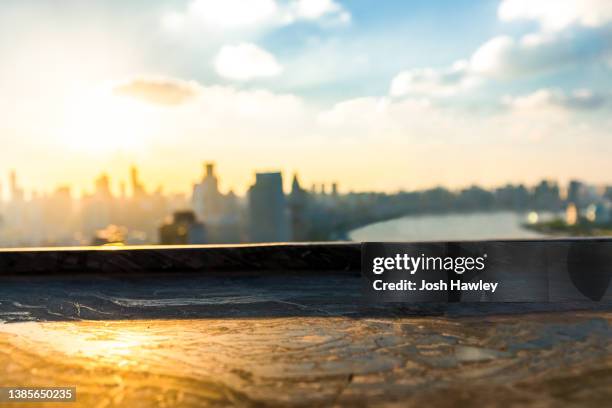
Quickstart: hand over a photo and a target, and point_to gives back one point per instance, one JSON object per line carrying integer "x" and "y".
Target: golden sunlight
{"x": 97, "y": 121}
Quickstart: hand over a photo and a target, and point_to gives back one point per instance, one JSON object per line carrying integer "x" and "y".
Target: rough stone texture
{"x": 200, "y": 259}
{"x": 280, "y": 326}
{"x": 294, "y": 340}
{"x": 539, "y": 360}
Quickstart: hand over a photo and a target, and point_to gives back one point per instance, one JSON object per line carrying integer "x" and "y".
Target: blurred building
{"x": 138, "y": 189}
{"x": 207, "y": 201}
{"x": 219, "y": 212}
{"x": 299, "y": 210}
{"x": 571, "y": 214}
{"x": 512, "y": 197}
{"x": 598, "y": 213}
{"x": 546, "y": 196}
{"x": 97, "y": 209}
{"x": 267, "y": 209}
{"x": 183, "y": 229}
{"x": 112, "y": 234}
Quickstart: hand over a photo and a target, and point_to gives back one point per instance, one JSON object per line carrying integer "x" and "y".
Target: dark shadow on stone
{"x": 590, "y": 268}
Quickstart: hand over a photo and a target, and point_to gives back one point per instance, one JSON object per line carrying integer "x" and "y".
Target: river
{"x": 442, "y": 227}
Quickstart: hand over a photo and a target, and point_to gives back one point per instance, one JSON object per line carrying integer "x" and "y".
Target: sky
{"x": 385, "y": 96}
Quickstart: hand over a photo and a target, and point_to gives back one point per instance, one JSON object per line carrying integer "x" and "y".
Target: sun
{"x": 98, "y": 121}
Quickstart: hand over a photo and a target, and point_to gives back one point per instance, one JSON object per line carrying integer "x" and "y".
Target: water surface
{"x": 448, "y": 227}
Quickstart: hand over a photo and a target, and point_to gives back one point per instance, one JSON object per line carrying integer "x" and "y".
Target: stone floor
{"x": 303, "y": 340}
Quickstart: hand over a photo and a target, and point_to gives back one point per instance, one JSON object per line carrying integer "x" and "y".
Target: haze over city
{"x": 380, "y": 99}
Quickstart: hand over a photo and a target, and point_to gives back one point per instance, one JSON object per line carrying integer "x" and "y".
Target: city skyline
{"x": 267, "y": 213}
{"x": 407, "y": 96}
{"x": 124, "y": 186}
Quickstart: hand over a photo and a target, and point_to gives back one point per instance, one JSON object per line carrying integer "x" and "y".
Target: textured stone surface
{"x": 294, "y": 340}
{"x": 538, "y": 360}
{"x": 188, "y": 327}
{"x": 201, "y": 259}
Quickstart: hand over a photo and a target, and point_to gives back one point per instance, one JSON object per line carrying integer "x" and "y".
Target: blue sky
{"x": 377, "y": 95}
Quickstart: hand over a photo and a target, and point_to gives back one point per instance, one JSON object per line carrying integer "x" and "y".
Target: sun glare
{"x": 97, "y": 121}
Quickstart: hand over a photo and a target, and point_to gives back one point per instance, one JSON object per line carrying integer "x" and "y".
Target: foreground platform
{"x": 288, "y": 338}
{"x": 536, "y": 360}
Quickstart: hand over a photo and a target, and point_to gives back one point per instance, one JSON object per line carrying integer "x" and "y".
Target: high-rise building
{"x": 16, "y": 191}
{"x": 183, "y": 229}
{"x": 102, "y": 185}
{"x": 268, "y": 211}
{"x": 97, "y": 208}
{"x": 220, "y": 212}
{"x": 298, "y": 205}
{"x": 575, "y": 192}
{"x": 335, "y": 189}
{"x": 546, "y": 195}
{"x": 137, "y": 187}
{"x": 207, "y": 201}
{"x": 608, "y": 193}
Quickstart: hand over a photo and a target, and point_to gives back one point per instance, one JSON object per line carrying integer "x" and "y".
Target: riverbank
{"x": 559, "y": 228}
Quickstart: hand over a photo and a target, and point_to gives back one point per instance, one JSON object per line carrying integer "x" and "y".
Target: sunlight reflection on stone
{"x": 308, "y": 360}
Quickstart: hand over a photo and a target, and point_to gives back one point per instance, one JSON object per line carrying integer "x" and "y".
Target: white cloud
{"x": 533, "y": 118}
{"x": 158, "y": 90}
{"x": 312, "y": 9}
{"x": 317, "y": 9}
{"x": 387, "y": 118}
{"x": 222, "y": 106}
{"x": 243, "y": 62}
{"x": 252, "y": 14}
{"x": 200, "y": 115}
{"x": 492, "y": 56}
{"x": 558, "y": 14}
{"x": 358, "y": 112}
{"x": 173, "y": 21}
{"x": 573, "y": 33}
{"x": 578, "y": 100}
{"x": 233, "y": 13}
{"x": 433, "y": 82}
{"x": 253, "y": 113}
{"x": 504, "y": 56}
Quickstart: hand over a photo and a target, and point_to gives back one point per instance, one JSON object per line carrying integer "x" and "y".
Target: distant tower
{"x": 295, "y": 185}
{"x": 298, "y": 206}
{"x": 207, "y": 201}
{"x": 335, "y": 189}
{"x": 575, "y": 192}
{"x": 210, "y": 169}
{"x": 13, "y": 181}
{"x": 16, "y": 192}
{"x": 137, "y": 187}
{"x": 103, "y": 185}
{"x": 268, "y": 215}
{"x": 122, "y": 190}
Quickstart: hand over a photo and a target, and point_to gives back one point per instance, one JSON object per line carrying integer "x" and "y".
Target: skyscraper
{"x": 138, "y": 190}
{"x": 575, "y": 193}
{"x": 298, "y": 205}
{"x": 268, "y": 212}
{"x": 16, "y": 191}
{"x": 102, "y": 185}
{"x": 207, "y": 200}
